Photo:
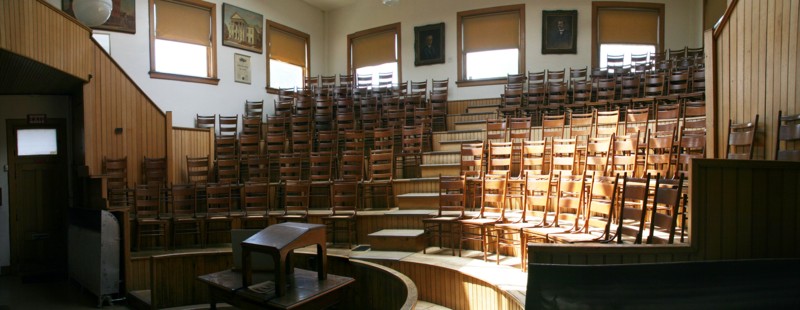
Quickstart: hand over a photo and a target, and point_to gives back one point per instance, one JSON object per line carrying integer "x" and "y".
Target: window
{"x": 32, "y": 142}
{"x": 288, "y": 57}
{"x": 183, "y": 41}
{"x": 374, "y": 51}
{"x": 621, "y": 28}
{"x": 491, "y": 45}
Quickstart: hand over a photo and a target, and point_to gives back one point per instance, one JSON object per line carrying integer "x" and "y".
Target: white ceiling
{"x": 327, "y": 5}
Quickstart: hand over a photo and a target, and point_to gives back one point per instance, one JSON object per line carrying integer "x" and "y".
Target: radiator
{"x": 94, "y": 252}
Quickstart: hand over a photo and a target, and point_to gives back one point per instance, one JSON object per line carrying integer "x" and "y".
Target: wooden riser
{"x": 483, "y": 109}
{"x": 457, "y": 118}
{"x": 407, "y": 240}
{"x": 472, "y": 125}
{"x": 418, "y": 201}
{"x": 440, "y": 169}
{"x": 440, "y": 158}
{"x": 452, "y": 145}
{"x": 418, "y": 185}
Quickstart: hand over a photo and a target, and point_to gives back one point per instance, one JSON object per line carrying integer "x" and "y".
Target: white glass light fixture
{"x": 390, "y": 2}
{"x": 92, "y": 12}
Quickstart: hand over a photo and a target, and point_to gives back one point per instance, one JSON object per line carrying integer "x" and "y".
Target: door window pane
{"x": 32, "y": 142}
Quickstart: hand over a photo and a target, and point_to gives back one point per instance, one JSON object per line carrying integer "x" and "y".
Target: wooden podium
{"x": 286, "y": 287}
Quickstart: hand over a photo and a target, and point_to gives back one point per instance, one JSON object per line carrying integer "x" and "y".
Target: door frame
{"x": 60, "y": 124}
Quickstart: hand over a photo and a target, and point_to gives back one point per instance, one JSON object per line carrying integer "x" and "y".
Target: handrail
{"x": 725, "y": 17}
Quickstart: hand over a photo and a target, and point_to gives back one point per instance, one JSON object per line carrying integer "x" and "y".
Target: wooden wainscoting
{"x": 192, "y": 142}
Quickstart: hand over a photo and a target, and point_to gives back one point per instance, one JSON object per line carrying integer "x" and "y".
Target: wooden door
{"x": 38, "y": 196}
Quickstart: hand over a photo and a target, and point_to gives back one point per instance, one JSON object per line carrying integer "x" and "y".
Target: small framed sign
{"x": 241, "y": 68}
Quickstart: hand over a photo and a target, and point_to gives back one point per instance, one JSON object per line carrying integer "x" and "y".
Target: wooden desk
{"x": 303, "y": 291}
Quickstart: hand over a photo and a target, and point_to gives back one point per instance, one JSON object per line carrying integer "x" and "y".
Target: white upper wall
{"x": 185, "y": 99}
{"x": 683, "y": 28}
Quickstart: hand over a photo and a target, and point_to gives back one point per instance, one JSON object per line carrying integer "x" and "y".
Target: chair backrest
{"x": 321, "y": 165}
{"x": 251, "y": 125}
{"x": 255, "y": 198}
{"x": 452, "y": 195}
{"x": 383, "y": 138}
{"x": 553, "y": 126}
{"x": 291, "y": 167}
{"x": 740, "y": 139}
{"x": 667, "y": 117}
{"x": 519, "y": 128}
{"x": 694, "y": 115}
{"x": 412, "y": 140}
{"x": 533, "y": 157}
{"x": 116, "y": 172}
{"x": 536, "y": 197}
{"x": 691, "y": 144}
{"x": 581, "y": 91}
{"x": 205, "y": 121}
{"x": 419, "y": 89}
{"x": 606, "y": 123}
{"x": 653, "y": 85}
{"x": 606, "y": 89}
{"x": 471, "y": 159}
{"x": 665, "y": 210}
{"x": 228, "y": 125}
{"x": 516, "y": 79}
{"x": 493, "y": 195}
{"x": 615, "y": 62}
{"x": 629, "y": 86}
{"x": 227, "y": 170}
{"x": 496, "y": 129}
{"x": 636, "y": 120}
{"x": 598, "y": 152}
{"x": 155, "y": 170}
{"x": 354, "y": 140}
{"x": 249, "y": 145}
{"x": 678, "y": 82}
{"x": 788, "y": 131}
{"x": 296, "y": 197}
{"x": 218, "y": 198}
{"x": 225, "y": 147}
{"x": 563, "y": 157}
{"x": 258, "y": 168}
{"x": 344, "y": 198}
{"x": 183, "y": 200}
{"x": 381, "y": 165}
{"x": 569, "y": 196}
{"x": 351, "y": 166}
{"x": 499, "y": 158}
{"x": 254, "y": 109}
{"x": 633, "y": 208}
{"x": 623, "y": 159}
{"x": 556, "y": 92}
{"x": 580, "y": 124}
{"x": 601, "y": 204}
{"x": 698, "y": 80}
{"x": 197, "y": 169}
{"x": 147, "y": 200}
{"x": 658, "y": 158}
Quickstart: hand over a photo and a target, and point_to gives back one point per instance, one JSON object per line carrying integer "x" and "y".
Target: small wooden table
{"x": 304, "y": 292}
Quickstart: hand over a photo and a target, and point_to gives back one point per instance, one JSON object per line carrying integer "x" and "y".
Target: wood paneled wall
{"x": 192, "y": 142}
{"x": 739, "y": 210}
{"x": 460, "y": 106}
{"x": 755, "y": 69}
{"x": 35, "y": 30}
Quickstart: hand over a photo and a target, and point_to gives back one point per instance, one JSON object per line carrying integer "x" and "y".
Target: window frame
{"x": 462, "y": 81}
{"x": 269, "y": 25}
{"x": 596, "y": 6}
{"x": 211, "y": 62}
{"x": 398, "y": 48}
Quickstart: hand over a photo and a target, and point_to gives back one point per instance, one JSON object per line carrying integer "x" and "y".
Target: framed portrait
{"x": 242, "y": 28}
{"x": 241, "y": 68}
{"x": 559, "y": 32}
{"x": 429, "y": 44}
{"x": 122, "y": 19}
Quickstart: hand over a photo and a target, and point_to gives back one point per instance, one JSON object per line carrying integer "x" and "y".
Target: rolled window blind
{"x": 374, "y": 49}
{"x": 628, "y": 26}
{"x": 491, "y": 32}
{"x": 287, "y": 47}
{"x": 183, "y": 22}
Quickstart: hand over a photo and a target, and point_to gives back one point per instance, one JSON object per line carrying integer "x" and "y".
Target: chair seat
{"x": 442, "y": 219}
{"x": 520, "y": 225}
{"x": 545, "y": 231}
{"x": 479, "y": 221}
{"x": 151, "y": 221}
{"x": 574, "y": 237}
{"x": 339, "y": 217}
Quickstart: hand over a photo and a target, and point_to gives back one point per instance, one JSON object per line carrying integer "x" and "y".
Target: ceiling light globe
{"x": 92, "y": 12}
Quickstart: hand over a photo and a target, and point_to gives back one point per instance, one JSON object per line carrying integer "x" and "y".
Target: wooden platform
{"x": 408, "y": 240}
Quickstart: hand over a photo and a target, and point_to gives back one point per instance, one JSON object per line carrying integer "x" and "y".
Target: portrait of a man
{"x": 558, "y": 32}
{"x": 429, "y": 44}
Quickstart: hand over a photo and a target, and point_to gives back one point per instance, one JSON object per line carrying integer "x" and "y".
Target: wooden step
{"x": 452, "y": 119}
{"x": 434, "y": 170}
{"x": 418, "y": 201}
{"x": 454, "y": 145}
{"x": 441, "y": 157}
{"x": 407, "y": 240}
{"x": 489, "y": 108}
{"x": 415, "y": 185}
{"x": 468, "y": 125}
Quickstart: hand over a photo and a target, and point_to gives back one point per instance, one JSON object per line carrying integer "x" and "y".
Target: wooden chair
{"x": 351, "y": 166}
{"x": 251, "y": 125}
{"x": 321, "y": 176}
{"x": 606, "y": 123}
{"x": 218, "y": 211}
{"x": 567, "y": 206}
{"x": 623, "y": 157}
{"x": 581, "y": 96}
{"x": 633, "y": 209}
{"x": 519, "y": 129}
{"x": 614, "y": 63}
{"x": 740, "y": 139}
{"x": 598, "y": 152}
{"x": 578, "y": 75}
{"x": 694, "y": 116}
{"x": 556, "y": 97}
{"x": 511, "y": 102}
{"x": 147, "y": 206}
{"x": 383, "y": 139}
{"x": 658, "y": 157}
{"x": 580, "y": 129}
{"x": 295, "y": 201}
{"x": 691, "y": 144}
{"x": 249, "y": 145}
{"x": 197, "y": 170}
{"x": 553, "y": 126}
{"x": 493, "y": 199}
{"x": 227, "y": 125}
{"x": 185, "y": 221}
{"x": 344, "y": 206}
{"x": 788, "y": 132}
{"x": 667, "y": 117}
{"x": 499, "y": 158}
{"x": 452, "y": 202}
{"x": 205, "y": 121}
{"x": 227, "y": 170}
{"x": 155, "y": 171}
{"x": 258, "y": 169}
{"x": 115, "y": 171}
{"x": 665, "y": 210}
{"x": 380, "y": 177}
{"x": 424, "y": 120}
{"x": 533, "y": 213}
{"x": 496, "y": 130}
{"x": 354, "y": 140}
{"x": 563, "y": 158}
{"x": 598, "y": 216}
{"x": 255, "y": 204}
{"x": 471, "y": 168}
{"x": 410, "y": 156}
{"x": 225, "y": 147}
{"x": 605, "y": 93}
{"x": 438, "y": 100}
{"x": 536, "y": 97}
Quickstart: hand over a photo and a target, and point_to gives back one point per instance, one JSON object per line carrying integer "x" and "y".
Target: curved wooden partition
{"x": 170, "y": 280}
